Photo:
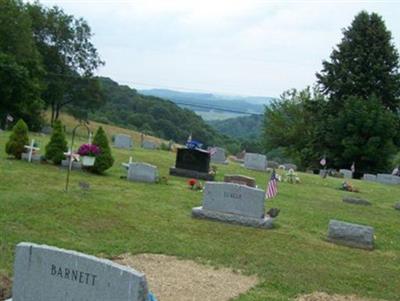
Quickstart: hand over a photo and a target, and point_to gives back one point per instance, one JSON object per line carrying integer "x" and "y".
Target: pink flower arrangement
{"x": 90, "y": 150}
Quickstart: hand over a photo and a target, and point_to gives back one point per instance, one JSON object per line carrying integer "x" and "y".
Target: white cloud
{"x": 232, "y": 46}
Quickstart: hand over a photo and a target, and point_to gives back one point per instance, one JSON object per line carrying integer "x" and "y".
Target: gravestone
{"x": 149, "y": 145}
{"x": 192, "y": 163}
{"x": 387, "y": 179}
{"x": 352, "y": 235}
{"x": 44, "y": 273}
{"x": 255, "y": 161}
{"x": 347, "y": 173}
{"x": 233, "y": 203}
{"x": 33, "y": 158}
{"x": 218, "y": 155}
{"x": 289, "y": 166}
{"x": 397, "y": 206}
{"x": 126, "y": 165}
{"x": 272, "y": 164}
{"x": 47, "y": 130}
{"x": 240, "y": 179}
{"x": 143, "y": 172}
{"x": 369, "y": 177}
{"x": 75, "y": 164}
{"x": 356, "y": 201}
{"x": 123, "y": 141}
{"x": 31, "y": 155}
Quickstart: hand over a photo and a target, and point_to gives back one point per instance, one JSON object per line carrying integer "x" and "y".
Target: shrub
{"x": 18, "y": 139}
{"x": 57, "y": 146}
{"x": 104, "y": 160}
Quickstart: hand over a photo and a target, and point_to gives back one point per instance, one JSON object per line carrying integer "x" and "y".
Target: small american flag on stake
{"x": 272, "y": 189}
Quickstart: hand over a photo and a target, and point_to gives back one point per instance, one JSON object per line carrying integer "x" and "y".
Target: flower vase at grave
{"x": 88, "y": 161}
{"x": 88, "y": 153}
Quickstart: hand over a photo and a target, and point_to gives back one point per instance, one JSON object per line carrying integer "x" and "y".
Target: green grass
{"x": 117, "y": 216}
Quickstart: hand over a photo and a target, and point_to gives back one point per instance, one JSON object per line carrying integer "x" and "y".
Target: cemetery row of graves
{"x": 297, "y": 233}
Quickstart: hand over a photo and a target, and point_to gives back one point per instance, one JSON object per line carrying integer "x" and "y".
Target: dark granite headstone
{"x": 192, "y": 163}
{"x": 193, "y": 159}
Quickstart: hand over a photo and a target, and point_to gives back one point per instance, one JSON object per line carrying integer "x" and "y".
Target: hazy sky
{"x": 237, "y": 47}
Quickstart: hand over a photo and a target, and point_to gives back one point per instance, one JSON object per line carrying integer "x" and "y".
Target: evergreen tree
{"x": 18, "y": 139}
{"x": 104, "y": 160}
{"x": 365, "y": 63}
{"x": 58, "y": 144}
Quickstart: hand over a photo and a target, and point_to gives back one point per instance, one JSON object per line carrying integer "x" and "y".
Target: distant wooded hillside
{"x": 247, "y": 127}
{"x": 152, "y": 115}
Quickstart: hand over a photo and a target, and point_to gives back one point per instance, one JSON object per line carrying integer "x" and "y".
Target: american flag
{"x": 272, "y": 189}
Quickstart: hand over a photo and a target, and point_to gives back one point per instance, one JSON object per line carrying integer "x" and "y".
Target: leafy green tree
{"x": 69, "y": 58}
{"x": 365, "y": 63}
{"x": 362, "y": 132}
{"x": 20, "y": 67}
{"x": 18, "y": 139}
{"x": 57, "y": 145}
{"x": 289, "y": 125}
{"x": 105, "y": 159}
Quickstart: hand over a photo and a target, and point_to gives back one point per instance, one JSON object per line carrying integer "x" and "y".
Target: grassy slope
{"x": 117, "y": 216}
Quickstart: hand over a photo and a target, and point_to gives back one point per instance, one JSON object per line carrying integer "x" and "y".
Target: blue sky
{"x": 226, "y": 46}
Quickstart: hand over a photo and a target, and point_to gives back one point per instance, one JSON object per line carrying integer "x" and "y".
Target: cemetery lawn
{"x": 116, "y": 216}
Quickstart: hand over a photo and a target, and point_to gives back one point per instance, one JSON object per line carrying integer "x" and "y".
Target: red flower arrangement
{"x": 192, "y": 182}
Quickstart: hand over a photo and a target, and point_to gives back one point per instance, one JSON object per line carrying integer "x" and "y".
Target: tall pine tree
{"x": 57, "y": 146}
{"x": 362, "y": 83}
{"x": 105, "y": 159}
{"x": 365, "y": 63}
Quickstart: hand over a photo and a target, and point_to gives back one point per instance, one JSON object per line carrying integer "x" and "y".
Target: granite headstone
{"x": 240, "y": 179}
{"x": 351, "y": 235}
{"x": 218, "y": 155}
{"x": 347, "y": 173}
{"x": 233, "y": 203}
{"x": 255, "y": 161}
{"x": 387, "y": 179}
{"x": 192, "y": 163}
{"x": 143, "y": 172}
{"x": 44, "y": 273}
{"x": 123, "y": 141}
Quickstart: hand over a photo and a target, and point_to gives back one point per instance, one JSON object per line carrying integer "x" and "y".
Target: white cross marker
{"x": 31, "y": 149}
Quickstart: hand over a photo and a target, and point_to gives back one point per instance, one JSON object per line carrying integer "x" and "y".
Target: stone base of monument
{"x": 75, "y": 165}
{"x": 34, "y": 158}
{"x": 187, "y": 173}
{"x": 266, "y": 223}
{"x": 351, "y": 235}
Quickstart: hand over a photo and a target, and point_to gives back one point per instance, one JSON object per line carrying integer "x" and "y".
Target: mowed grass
{"x": 116, "y": 216}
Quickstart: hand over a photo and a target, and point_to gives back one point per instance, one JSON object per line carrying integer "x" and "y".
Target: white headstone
{"x": 369, "y": 177}
{"x": 149, "y": 145}
{"x": 123, "y": 141}
{"x": 255, "y": 161}
{"x": 347, "y": 173}
{"x": 218, "y": 155}
{"x": 44, "y": 273}
{"x": 143, "y": 172}
{"x": 231, "y": 202}
{"x": 387, "y": 178}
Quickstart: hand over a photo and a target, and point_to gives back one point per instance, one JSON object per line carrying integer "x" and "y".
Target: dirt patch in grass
{"x": 318, "y": 296}
{"x": 171, "y": 279}
{"x": 5, "y": 287}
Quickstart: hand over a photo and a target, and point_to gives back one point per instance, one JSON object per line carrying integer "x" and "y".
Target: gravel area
{"x": 172, "y": 279}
